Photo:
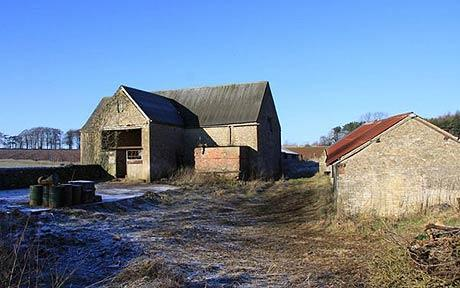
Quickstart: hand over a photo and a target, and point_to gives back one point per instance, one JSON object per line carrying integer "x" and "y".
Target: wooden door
{"x": 121, "y": 164}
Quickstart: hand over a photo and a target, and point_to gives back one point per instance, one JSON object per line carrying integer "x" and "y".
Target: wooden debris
{"x": 437, "y": 251}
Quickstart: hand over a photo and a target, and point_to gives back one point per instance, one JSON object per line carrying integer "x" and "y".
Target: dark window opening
{"x": 121, "y": 139}
{"x": 134, "y": 154}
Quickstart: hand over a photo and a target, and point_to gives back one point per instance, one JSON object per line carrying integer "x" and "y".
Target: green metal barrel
{"x": 67, "y": 194}
{"x": 46, "y": 195}
{"x": 56, "y": 197}
{"x": 76, "y": 194}
{"x": 36, "y": 195}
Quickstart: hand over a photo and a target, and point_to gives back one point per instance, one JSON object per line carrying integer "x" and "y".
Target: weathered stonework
{"x": 406, "y": 169}
{"x": 117, "y": 112}
{"x": 166, "y": 147}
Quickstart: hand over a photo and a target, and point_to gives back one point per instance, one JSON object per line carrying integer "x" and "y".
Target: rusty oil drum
{"x": 36, "y": 195}
{"x": 56, "y": 197}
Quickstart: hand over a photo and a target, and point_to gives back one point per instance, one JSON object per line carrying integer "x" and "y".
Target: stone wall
{"x": 117, "y": 112}
{"x": 410, "y": 168}
{"x": 269, "y": 144}
{"x": 11, "y": 178}
{"x": 166, "y": 150}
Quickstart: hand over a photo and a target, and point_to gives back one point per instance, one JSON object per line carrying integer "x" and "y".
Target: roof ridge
{"x": 360, "y": 136}
{"x": 215, "y": 86}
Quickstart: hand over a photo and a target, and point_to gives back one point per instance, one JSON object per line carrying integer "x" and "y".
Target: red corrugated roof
{"x": 361, "y": 135}
{"x": 309, "y": 152}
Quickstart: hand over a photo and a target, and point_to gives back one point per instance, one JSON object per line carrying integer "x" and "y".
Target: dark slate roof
{"x": 156, "y": 107}
{"x": 219, "y": 105}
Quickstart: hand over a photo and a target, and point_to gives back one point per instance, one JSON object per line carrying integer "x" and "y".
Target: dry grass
{"x": 148, "y": 273}
{"x": 297, "y": 217}
{"x": 24, "y": 263}
{"x": 386, "y": 242}
{"x": 216, "y": 232}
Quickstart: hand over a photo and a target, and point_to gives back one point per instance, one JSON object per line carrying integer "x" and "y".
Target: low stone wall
{"x": 11, "y": 178}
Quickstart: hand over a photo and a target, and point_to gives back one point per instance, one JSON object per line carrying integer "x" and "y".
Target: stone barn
{"x": 144, "y": 135}
{"x": 402, "y": 164}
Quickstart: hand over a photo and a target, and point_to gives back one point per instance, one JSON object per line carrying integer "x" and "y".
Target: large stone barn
{"x": 144, "y": 135}
{"x": 402, "y": 164}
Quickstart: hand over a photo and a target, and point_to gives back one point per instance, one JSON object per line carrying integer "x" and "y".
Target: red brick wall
{"x": 220, "y": 159}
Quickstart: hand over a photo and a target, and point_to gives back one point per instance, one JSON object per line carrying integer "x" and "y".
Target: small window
{"x": 119, "y": 106}
{"x": 134, "y": 155}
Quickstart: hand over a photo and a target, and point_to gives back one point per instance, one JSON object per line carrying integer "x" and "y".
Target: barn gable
{"x": 405, "y": 169}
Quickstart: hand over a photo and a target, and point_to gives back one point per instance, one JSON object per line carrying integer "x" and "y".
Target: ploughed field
{"x": 10, "y": 158}
{"x": 211, "y": 233}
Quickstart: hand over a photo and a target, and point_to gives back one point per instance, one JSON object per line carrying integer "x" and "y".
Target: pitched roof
{"x": 218, "y": 105}
{"x": 156, "y": 107}
{"x": 360, "y": 136}
{"x": 309, "y": 152}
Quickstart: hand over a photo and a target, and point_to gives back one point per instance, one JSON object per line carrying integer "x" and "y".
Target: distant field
{"x": 12, "y": 163}
{"x": 47, "y": 156}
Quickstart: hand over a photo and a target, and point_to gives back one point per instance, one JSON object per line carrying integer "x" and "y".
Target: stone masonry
{"x": 407, "y": 169}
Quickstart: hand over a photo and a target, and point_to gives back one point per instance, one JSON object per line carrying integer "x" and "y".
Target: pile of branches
{"x": 437, "y": 251}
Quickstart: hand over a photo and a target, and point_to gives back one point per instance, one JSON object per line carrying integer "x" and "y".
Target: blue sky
{"x": 328, "y": 62}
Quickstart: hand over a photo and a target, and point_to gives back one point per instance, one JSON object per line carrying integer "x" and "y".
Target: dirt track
{"x": 256, "y": 234}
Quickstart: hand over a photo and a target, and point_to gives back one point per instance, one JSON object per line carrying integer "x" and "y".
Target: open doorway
{"x": 123, "y": 142}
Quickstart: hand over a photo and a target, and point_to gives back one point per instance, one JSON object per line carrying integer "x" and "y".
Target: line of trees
{"x": 449, "y": 122}
{"x": 337, "y": 133}
{"x": 42, "y": 138}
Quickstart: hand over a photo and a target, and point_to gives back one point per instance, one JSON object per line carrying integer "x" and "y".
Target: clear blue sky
{"x": 328, "y": 62}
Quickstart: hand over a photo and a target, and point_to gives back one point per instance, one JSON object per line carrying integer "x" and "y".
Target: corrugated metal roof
{"x": 226, "y": 104}
{"x": 309, "y": 152}
{"x": 156, "y": 107}
{"x": 360, "y": 136}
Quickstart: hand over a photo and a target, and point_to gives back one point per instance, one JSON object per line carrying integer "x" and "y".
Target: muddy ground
{"x": 255, "y": 234}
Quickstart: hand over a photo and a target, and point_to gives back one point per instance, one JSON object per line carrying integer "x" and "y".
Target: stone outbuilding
{"x": 144, "y": 135}
{"x": 316, "y": 154}
{"x": 402, "y": 164}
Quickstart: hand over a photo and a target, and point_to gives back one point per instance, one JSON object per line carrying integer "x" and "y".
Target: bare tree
{"x": 373, "y": 116}
{"x": 77, "y": 135}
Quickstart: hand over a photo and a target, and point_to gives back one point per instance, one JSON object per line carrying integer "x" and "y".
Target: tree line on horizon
{"x": 449, "y": 122}
{"x": 42, "y": 138}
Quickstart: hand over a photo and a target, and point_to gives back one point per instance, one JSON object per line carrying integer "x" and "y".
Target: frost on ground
{"x": 203, "y": 235}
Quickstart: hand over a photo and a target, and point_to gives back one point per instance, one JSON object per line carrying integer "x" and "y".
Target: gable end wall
{"x": 412, "y": 167}
{"x": 107, "y": 117}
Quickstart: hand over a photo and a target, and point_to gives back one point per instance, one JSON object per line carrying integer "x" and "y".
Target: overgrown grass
{"x": 385, "y": 242}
